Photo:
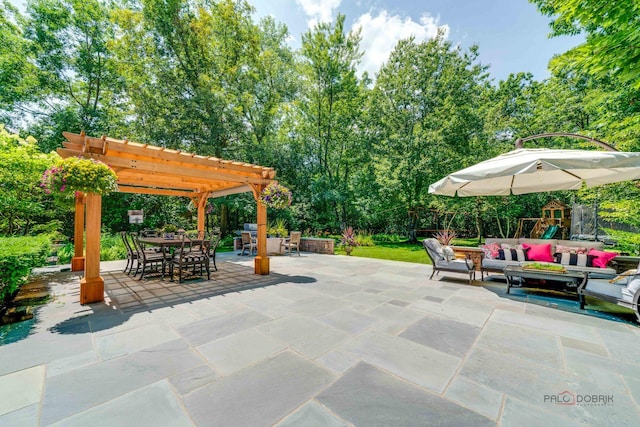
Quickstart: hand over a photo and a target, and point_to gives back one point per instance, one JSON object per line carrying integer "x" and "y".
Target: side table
{"x": 475, "y": 254}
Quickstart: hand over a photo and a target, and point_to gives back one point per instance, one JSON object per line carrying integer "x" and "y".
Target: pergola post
{"x": 261, "y": 262}
{"x": 92, "y": 285}
{"x": 77, "y": 262}
{"x": 202, "y": 205}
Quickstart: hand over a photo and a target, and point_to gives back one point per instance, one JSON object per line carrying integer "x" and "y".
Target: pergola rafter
{"x": 149, "y": 169}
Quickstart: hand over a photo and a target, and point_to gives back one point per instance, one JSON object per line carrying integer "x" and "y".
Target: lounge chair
{"x": 625, "y": 293}
{"x": 442, "y": 262}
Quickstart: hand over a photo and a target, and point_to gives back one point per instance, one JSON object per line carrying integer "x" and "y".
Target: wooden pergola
{"x": 148, "y": 169}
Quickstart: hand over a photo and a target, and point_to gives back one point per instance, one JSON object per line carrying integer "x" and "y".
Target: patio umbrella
{"x": 537, "y": 170}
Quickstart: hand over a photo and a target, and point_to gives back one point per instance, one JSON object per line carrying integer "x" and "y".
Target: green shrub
{"x": 364, "y": 238}
{"x": 112, "y": 248}
{"x": 18, "y": 255}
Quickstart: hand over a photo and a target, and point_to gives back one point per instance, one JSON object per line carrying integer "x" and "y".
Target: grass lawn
{"x": 409, "y": 252}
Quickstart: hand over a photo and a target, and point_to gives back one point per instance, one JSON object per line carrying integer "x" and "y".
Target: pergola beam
{"x": 156, "y": 191}
{"x": 184, "y": 169}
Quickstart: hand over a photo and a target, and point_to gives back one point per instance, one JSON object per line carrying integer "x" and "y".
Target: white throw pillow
{"x": 448, "y": 253}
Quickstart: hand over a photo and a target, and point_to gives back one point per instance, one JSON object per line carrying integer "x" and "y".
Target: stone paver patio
{"x": 322, "y": 341}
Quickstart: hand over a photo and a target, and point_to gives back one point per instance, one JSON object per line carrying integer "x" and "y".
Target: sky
{"x": 511, "y": 34}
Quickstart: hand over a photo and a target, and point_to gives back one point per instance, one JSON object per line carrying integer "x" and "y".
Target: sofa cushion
{"x": 500, "y": 241}
{"x": 529, "y": 241}
{"x": 582, "y": 260}
{"x": 603, "y": 287}
{"x": 630, "y": 290}
{"x": 583, "y": 243}
{"x": 540, "y": 253}
{"x": 435, "y": 249}
{"x": 458, "y": 265}
{"x": 498, "y": 264}
{"x": 571, "y": 249}
{"x": 602, "y": 257}
{"x": 594, "y": 272}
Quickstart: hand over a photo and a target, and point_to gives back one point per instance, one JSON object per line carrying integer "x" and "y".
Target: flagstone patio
{"x": 323, "y": 340}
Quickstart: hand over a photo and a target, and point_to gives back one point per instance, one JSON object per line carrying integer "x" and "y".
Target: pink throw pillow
{"x": 491, "y": 251}
{"x": 540, "y": 253}
{"x": 601, "y": 257}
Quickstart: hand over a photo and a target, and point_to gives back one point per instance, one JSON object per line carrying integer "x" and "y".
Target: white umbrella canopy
{"x": 537, "y": 170}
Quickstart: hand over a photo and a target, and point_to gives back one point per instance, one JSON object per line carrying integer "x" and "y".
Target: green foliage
{"x": 365, "y": 238}
{"x": 22, "y": 205}
{"x": 111, "y": 247}
{"x": 18, "y": 255}
{"x": 278, "y": 228}
{"x": 626, "y": 242}
{"x": 612, "y": 36}
{"x": 204, "y": 76}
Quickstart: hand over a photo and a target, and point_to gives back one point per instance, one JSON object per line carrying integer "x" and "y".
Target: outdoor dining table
{"x": 168, "y": 243}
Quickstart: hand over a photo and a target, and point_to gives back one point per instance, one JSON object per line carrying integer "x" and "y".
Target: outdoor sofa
{"x": 496, "y": 265}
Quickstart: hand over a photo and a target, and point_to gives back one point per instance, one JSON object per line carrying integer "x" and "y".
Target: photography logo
{"x": 567, "y": 398}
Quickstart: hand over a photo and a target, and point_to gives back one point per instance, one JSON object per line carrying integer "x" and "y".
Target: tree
{"x": 425, "y": 120}
{"x": 76, "y": 82}
{"x": 612, "y": 45}
{"x": 17, "y": 73}
{"x": 327, "y": 120}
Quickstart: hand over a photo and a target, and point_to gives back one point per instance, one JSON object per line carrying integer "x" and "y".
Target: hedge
{"x": 18, "y": 255}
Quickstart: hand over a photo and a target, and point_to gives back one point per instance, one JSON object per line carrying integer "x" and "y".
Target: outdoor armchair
{"x": 248, "y": 243}
{"x": 293, "y": 242}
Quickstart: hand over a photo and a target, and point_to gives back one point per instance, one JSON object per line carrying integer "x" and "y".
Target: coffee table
{"x": 572, "y": 279}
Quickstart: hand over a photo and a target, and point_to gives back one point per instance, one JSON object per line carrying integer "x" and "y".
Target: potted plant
{"x": 278, "y": 228}
{"x": 275, "y": 196}
{"x": 76, "y": 174}
{"x": 169, "y": 231}
{"x": 348, "y": 240}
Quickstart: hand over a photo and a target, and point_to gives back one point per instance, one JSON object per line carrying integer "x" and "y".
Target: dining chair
{"x": 190, "y": 258}
{"x": 132, "y": 255}
{"x": 149, "y": 258}
{"x": 214, "y": 242}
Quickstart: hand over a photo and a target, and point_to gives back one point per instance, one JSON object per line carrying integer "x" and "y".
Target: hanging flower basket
{"x": 275, "y": 196}
{"x": 76, "y": 174}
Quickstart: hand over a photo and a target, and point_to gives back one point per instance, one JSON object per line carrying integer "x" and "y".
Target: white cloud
{"x": 318, "y": 10}
{"x": 381, "y": 33}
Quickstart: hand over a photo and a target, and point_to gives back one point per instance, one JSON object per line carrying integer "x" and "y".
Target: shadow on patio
{"x": 126, "y": 296}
